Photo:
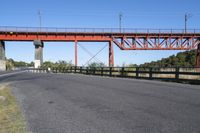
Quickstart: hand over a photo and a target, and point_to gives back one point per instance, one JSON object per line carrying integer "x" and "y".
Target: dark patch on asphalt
{"x": 50, "y": 102}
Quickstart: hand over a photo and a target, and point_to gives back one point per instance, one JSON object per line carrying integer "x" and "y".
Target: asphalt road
{"x": 67, "y": 103}
{"x": 2, "y": 73}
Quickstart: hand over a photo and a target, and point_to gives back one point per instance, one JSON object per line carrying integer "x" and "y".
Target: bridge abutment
{"x": 38, "y": 53}
{"x": 2, "y": 56}
{"x": 198, "y": 56}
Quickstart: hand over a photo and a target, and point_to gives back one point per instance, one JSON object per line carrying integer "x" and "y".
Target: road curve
{"x": 68, "y": 103}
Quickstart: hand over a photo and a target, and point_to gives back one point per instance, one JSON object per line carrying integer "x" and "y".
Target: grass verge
{"x": 11, "y": 120}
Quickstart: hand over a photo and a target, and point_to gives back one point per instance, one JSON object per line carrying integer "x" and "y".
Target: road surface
{"x": 69, "y": 103}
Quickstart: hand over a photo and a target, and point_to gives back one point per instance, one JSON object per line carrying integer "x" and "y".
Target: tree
{"x": 47, "y": 64}
{"x": 58, "y": 65}
{"x": 9, "y": 64}
{"x": 95, "y": 64}
{"x": 182, "y": 59}
{"x": 132, "y": 65}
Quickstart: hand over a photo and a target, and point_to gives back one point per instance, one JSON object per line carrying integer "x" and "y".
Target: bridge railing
{"x": 177, "y": 74}
{"x": 93, "y": 30}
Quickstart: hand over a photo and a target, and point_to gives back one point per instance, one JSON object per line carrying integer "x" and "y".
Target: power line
{"x": 97, "y": 13}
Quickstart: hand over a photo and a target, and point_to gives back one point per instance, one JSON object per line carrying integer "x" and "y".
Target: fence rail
{"x": 94, "y": 30}
{"x": 177, "y": 74}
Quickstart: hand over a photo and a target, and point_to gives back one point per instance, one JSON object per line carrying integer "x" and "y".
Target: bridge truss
{"x": 125, "y": 39}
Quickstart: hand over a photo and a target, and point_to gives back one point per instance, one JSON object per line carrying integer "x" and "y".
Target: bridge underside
{"x": 145, "y": 41}
{"x": 125, "y": 41}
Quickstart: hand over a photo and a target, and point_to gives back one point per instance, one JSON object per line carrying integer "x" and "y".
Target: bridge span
{"x": 125, "y": 39}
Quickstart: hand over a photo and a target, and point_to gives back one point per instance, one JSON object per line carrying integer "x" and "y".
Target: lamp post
{"x": 120, "y": 22}
{"x": 40, "y": 19}
{"x": 187, "y": 16}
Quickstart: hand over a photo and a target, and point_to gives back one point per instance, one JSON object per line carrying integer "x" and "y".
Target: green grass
{"x": 11, "y": 120}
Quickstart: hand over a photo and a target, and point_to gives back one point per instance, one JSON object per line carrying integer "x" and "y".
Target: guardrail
{"x": 177, "y": 74}
{"x": 93, "y": 30}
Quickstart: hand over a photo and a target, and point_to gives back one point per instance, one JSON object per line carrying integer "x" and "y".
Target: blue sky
{"x": 163, "y": 14}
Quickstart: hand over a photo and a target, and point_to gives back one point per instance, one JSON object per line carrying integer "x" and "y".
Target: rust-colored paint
{"x": 111, "y": 54}
{"x": 156, "y": 43}
{"x": 28, "y": 37}
{"x": 141, "y": 41}
{"x": 125, "y": 41}
{"x": 198, "y": 56}
{"x": 76, "y": 52}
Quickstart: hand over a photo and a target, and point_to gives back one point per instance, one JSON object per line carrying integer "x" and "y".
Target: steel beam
{"x": 156, "y": 42}
{"x": 111, "y": 54}
{"x": 54, "y": 37}
{"x": 125, "y": 41}
{"x": 151, "y": 40}
{"x": 76, "y": 52}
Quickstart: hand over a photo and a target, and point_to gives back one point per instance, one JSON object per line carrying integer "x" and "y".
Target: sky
{"x": 158, "y": 14}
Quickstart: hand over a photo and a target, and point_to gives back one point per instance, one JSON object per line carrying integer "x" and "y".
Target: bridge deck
{"x": 110, "y": 31}
{"x": 125, "y": 39}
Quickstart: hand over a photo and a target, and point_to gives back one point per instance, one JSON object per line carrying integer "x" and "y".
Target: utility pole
{"x": 120, "y": 22}
{"x": 40, "y": 19}
{"x": 187, "y": 16}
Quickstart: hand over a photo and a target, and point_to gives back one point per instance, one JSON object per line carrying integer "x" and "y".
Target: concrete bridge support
{"x": 198, "y": 56}
{"x": 38, "y": 53}
{"x": 2, "y": 56}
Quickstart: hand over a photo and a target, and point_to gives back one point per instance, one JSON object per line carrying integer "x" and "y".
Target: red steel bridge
{"x": 125, "y": 39}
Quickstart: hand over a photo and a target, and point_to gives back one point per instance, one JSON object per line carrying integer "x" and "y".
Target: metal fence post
{"x": 102, "y": 71}
{"x": 80, "y": 69}
{"x": 71, "y": 69}
{"x": 122, "y": 72}
{"x": 137, "y": 72}
{"x": 110, "y": 71}
{"x": 150, "y": 73}
{"x": 94, "y": 71}
{"x": 177, "y": 73}
{"x": 86, "y": 70}
{"x": 75, "y": 69}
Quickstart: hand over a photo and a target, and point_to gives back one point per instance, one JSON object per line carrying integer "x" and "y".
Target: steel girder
{"x": 156, "y": 42}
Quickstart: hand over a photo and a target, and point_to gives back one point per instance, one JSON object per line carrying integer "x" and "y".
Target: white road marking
{"x": 8, "y": 74}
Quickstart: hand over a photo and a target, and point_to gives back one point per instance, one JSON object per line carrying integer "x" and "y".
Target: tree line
{"x": 182, "y": 59}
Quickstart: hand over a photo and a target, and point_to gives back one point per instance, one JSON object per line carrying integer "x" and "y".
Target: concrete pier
{"x": 2, "y": 56}
{"x": 38, "y": 53}
{"x": 198, "y": 56}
